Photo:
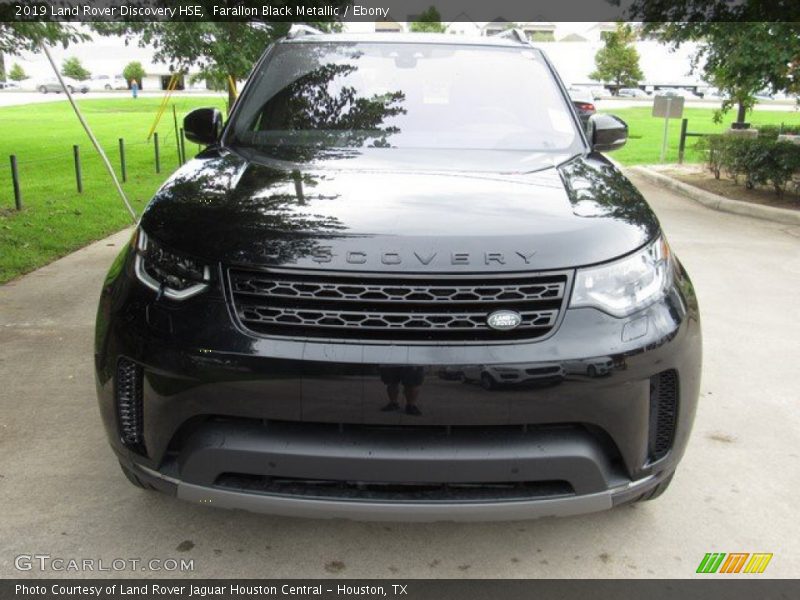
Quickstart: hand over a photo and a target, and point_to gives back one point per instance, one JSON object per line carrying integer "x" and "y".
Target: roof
{"x": 408, "y": 38}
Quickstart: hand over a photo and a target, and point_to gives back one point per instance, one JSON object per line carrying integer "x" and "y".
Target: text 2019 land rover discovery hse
{"x": 400, "y": 283}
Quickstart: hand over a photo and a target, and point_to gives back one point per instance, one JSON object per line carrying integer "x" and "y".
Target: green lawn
{"x": 56, "y": 219}
{"x": 646, "y": 132}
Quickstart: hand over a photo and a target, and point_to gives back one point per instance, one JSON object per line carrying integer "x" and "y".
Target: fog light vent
{"x": 130, "y": 405}
{"x": 663, "y": 413}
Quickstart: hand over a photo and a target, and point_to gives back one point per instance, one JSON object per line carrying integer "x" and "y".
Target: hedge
{"x": 761, "y": 160}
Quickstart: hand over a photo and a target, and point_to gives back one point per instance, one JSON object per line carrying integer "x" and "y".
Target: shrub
{"x": 758, "y": 160}
{"x": 772, "y": 131}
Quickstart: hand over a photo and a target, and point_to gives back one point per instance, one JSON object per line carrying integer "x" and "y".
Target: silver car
{"x": 52, "y": 85}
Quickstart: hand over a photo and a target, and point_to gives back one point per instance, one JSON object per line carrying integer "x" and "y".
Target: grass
{"x": 646, "y": 132}
{"x": 56, "y": 219}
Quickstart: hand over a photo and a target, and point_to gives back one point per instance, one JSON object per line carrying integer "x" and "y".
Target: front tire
{"x": 43, "y": 89}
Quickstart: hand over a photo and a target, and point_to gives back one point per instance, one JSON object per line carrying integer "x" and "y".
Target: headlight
{"x": 627, "y": 285}
{"x": 176, "y": 277}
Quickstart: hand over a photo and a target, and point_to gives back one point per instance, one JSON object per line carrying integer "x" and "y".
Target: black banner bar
{"x": 738, "y": 588}
{"x": 511, "y": 11}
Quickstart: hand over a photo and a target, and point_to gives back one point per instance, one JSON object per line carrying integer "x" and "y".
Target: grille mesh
{"x": 663, "y": 413}
{"x": 395, "y": 492}
{"x": 430, "y": 308}
{"x": 130, "y": 404}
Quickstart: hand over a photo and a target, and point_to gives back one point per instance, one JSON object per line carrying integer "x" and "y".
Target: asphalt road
{"x": 61, "y": 492}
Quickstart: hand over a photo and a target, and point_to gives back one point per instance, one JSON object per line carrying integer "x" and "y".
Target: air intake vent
{"x": 663, "y": 413}
{"x": 128, "y": 395}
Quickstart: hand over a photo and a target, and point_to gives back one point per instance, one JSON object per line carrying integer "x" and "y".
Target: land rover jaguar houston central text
{"x": 401, "y": 282}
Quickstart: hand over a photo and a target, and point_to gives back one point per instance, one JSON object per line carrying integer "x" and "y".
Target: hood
{"x": 398, "y": 216}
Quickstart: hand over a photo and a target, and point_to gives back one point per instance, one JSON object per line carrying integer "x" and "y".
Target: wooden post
{"x": 15, "y": 181}
{"x": 682, "y": 143}
{"x": 122, "y": 159}
{"x": 158, "y": 157}
{"x": 177, "y": 139}
{"x": 183, "y": 146}
{"x": 76, "y": 154}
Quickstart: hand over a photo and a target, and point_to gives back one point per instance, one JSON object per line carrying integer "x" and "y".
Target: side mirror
{"x": 203, "y": 126}
{"x": 607, "y": 132}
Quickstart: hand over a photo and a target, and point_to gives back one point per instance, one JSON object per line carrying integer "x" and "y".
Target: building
{"x": 103, "y": 55}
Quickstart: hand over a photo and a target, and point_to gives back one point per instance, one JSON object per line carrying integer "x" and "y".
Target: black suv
{"x": 400, "y": 283}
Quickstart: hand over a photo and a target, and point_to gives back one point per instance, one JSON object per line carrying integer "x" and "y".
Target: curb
{"x": 717, "y": 202}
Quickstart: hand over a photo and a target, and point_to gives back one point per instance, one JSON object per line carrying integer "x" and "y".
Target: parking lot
{"x": 62, "y": 493}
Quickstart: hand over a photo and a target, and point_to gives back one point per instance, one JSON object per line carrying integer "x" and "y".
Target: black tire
{"x": 657, "y": 490}
{"x": 592, "y": 371}
{"x": 487, "y": 381}
{"x": 71, "y": 89}
{"x": 131, "y": 476}
{"x": 107, "y": 88}
{"x": 43, "y": 89}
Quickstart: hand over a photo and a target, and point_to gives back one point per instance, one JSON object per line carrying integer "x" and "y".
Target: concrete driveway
{"x": 62, "y": 493}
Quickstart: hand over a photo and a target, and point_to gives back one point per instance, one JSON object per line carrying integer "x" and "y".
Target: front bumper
{"x": 287, "y": 427}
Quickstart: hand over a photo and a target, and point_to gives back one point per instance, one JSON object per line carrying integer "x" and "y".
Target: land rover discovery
{"x": 367, "y": 297}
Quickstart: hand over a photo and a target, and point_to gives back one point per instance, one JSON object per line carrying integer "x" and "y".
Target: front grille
{"x": 414, "y": 308}
{"x": 129, "y": 400}
{"x": 663, "y": 413}
{"x": 392, "y": 491}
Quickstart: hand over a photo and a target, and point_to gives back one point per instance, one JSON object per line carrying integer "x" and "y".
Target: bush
{"x": 772, "y": 131}
{"x": 758, "y": 160}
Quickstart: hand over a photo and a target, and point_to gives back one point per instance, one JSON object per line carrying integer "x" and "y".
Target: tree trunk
{"x": 2, "y": 67}
{"x": 742, "y": 113}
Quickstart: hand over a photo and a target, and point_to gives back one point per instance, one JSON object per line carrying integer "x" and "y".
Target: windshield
{"x": 309, "y": 97}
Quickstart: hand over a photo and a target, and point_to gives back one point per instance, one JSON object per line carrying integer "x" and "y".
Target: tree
{"x": 744, "y": 47}
{"x": 617, "y": 62}
{"x": 72, "y": 67}
{"x": 16, "y": 36}
{"x": 222, "y": 50}
{"x": 27, "y": 35}
{"x": 17, "y": 73}
{"x": 429, "y": 21}
{"x": 134, "y": 71}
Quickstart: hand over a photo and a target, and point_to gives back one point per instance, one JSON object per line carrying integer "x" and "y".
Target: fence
{"x": 43, "y": 168}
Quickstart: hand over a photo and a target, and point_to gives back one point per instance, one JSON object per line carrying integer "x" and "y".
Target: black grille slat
{"x": 415, "y": 308}
{"x": 663, "y": 413}
{"x": 130, "y": 404}
{"x": 353, "y": 292}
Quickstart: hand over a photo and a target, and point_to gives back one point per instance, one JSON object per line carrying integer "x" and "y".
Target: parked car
{"x": 583, "y": 102}
{"x": 599, "y": 92}
{"x": 9, "y": 85}
{"x": 593, "y": 367}
{"x": 282, "y": 332}
{"x": 492, "y": 377}
{"x": 108, "y": 82}
{"x": 679, "y": 92}
{"x": 632, "y": 93}
{"x": 53, "y": 85}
